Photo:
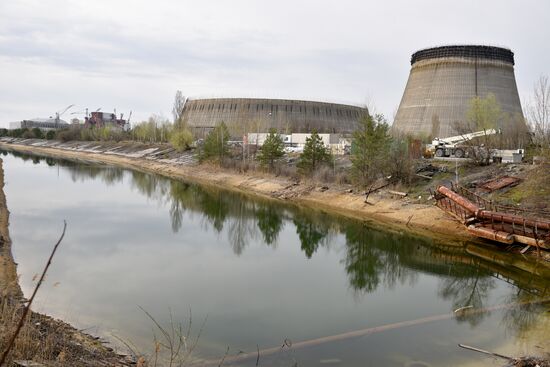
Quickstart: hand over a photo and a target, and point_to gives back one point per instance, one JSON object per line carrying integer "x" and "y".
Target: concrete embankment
{"x": 382, "y": 210}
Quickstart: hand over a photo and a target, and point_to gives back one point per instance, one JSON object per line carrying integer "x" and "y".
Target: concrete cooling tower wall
{"x": 243, "y": 115}
{"x": 442, "y": 82}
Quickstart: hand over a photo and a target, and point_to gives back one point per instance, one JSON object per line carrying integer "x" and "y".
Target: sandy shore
{"x": 394, "y": 214}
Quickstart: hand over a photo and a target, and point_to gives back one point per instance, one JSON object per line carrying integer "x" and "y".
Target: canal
{"x": 256, "y": 275}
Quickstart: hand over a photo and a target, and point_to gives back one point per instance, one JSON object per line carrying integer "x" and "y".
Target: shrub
{"x": 38, "y": 134}
{"x": 215, "y": 144}
{"x": 50, "y": 135}
{"x": 72, "y": 133}
{"x": 181, "y": 139}
{"x": 28, "y": 134}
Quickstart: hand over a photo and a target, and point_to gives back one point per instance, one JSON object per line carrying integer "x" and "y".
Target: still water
{"x": 254, "y": 274}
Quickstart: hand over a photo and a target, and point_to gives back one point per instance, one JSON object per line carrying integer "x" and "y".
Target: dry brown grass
{"x": 53, "y": 342}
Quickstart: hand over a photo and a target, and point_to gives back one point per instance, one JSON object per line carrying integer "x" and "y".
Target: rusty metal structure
{"x": 499, "y": 183}
{"x": 101, "y": 119}
{"x": 489, "y": 220}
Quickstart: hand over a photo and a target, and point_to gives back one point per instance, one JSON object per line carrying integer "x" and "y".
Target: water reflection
{"x": 468, "y": 291}
{"x": 373, "y": 261}
{"x": 372, "y": 256}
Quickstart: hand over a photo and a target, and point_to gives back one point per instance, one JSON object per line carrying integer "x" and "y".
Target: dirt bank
{"x": 394, "y": 214}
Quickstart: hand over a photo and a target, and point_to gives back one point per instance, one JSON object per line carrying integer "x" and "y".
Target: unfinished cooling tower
{"x": 443, "y": 81}
{"x": 289, "y": 116}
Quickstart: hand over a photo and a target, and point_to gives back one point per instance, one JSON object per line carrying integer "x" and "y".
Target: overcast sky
{"x": 134, "y": 54}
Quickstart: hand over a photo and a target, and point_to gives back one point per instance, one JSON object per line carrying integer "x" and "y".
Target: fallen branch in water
{"x": 486, "y": 352}
{"x": 29, "y": 303}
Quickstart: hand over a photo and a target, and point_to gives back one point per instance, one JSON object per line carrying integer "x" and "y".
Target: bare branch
{"x": 28, "y": 307}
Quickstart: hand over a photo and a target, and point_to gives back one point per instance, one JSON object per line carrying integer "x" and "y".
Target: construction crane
{"x": 126, "y": 126}
{"x": 447, "y": 147}
{"x": 85, "y": 111}
{"x": 60, "y": 113}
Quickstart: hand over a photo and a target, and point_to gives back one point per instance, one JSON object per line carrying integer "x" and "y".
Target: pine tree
{"x": 272, "y": 150}
{"x": 314, "y": 155}
{"x": 215, "y": 145}
{"x": 370, "y": 148}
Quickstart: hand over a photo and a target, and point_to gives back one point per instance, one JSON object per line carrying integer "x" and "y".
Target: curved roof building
{"x": 442, "y": 82}
{"x": 243, "y": 115}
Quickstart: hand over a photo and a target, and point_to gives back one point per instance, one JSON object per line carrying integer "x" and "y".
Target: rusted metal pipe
{"x": 492, "y": 234}
{"x": 531, "y": 241}
{"x": 463, "y": 202}
{"x": 513, "y": 219}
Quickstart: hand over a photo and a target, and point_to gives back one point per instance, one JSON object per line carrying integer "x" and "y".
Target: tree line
{"x": 375, "y": 151}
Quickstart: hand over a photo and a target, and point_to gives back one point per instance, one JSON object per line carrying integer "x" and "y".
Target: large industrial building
{"x": 243, "y": 115}
{"x": 41, "y": 123}
{"x": 442, "y": 83}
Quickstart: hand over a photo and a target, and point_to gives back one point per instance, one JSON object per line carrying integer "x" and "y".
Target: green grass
{"x": 535, "y": 189}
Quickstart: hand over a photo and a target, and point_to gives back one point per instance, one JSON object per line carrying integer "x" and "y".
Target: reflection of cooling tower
{"x": 442, "y": 82}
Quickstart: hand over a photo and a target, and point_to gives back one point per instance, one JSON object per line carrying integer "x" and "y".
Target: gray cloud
{"x": 136, "y": 54}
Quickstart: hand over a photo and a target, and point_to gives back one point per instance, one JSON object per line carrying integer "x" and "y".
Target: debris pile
{"x": 429, "y": 170}
{"x": 499, "y": 183}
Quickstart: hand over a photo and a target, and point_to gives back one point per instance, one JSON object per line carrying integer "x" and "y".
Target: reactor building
{"x": 443, "y": 81}
{"x": 245, "y": 115}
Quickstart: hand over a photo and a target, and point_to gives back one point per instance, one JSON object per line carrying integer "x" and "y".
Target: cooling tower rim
{"x": 464, "y": 51}
{"x": 272, "y": 100}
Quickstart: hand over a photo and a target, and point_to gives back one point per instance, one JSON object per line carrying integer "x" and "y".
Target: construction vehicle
{"x": 453, "y": 145}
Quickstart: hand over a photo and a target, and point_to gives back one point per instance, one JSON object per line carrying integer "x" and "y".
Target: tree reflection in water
{"x": 311, "y": 234}
{"x": 465, "y": 289}
{"x": 270, "y": 223}
{"x": 372, "y": 257}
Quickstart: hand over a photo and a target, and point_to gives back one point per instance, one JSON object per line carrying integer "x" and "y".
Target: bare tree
{"x": 177, "y": 109}
{"x": 484, "y": 114}
{"x": 538, "y": 112}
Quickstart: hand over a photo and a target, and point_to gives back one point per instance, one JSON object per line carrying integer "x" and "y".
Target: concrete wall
{"x": 243, "y": 115}
{"x": 439, "y": 91}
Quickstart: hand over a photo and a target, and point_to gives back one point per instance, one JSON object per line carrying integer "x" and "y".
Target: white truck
{"x": 446, "y": 147}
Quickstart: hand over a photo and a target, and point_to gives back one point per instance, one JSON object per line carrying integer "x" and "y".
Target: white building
{"x": 296, "y": 142}
{"x": 41, "y": 123}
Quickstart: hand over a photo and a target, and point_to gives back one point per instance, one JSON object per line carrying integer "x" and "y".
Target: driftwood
{"x": 371, "y": 190}
{"x": 513, "y": 362}
{"x": 21, "y": 363}
{"x": 398, "y": 193}
{"x": 424, "y": 176}
{"x": 486, "y": 352}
